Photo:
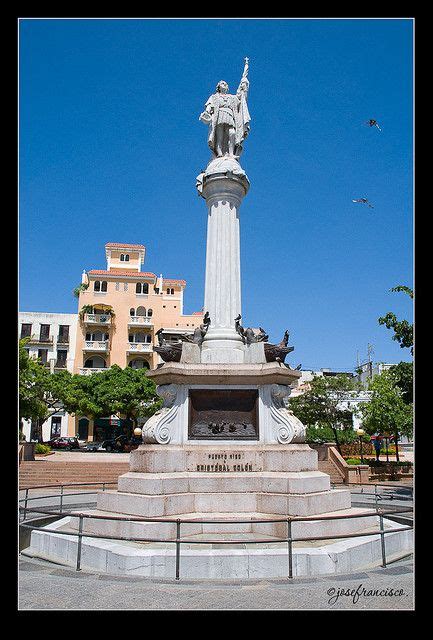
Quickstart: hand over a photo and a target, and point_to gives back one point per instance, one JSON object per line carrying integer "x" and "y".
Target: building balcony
{"x": 97, "y": 319}
{"x": 100, "y": 346}
{"x": 63, "y": 340}
{"x": 34, "y": 339}
{"x": 139, "y": 347}
{"x": 87, "y": 371}
{"x": 140, "y": 321}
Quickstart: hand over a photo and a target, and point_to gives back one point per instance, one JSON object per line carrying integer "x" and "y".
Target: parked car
{"x": 67, "y": 443}
{"x": 92, "y": 446}
{"x": 115, "y": 444}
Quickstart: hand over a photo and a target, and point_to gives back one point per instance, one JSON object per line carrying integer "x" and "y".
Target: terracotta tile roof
{"x": 121, "y": 272}
{"x": 173, "y": 280}
{"x": 124, "y": 245}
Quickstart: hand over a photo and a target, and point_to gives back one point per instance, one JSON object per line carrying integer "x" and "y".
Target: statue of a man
{"x": 228, "y": 118}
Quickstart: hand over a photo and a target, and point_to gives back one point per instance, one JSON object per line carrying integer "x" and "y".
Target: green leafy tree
{"x": 403, "y": 375}
{"x": 39, "y": 390}
{"x": 321, "y": 406}
{"x": 82, "y": 396}
{"x": 128, "y": 392}
{"x": 403, "y": 330}
{"x": 387, "y": 411}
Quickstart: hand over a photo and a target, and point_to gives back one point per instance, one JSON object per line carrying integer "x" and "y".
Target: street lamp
{"x": 360, "y": 433}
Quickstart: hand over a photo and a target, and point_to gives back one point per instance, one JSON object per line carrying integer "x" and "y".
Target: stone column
{"x": 224, "y": 184}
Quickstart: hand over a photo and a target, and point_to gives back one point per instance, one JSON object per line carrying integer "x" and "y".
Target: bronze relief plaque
{"x": 223, "y": 414}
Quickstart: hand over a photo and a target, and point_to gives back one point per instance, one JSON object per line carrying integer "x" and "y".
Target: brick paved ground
{"x": 44, "y": 586}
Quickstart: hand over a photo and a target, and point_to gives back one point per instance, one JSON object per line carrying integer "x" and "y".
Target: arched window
{"x": 142, "y": 287}
{"x": 97, "y": 285}
{"x": 96, "y": 362}
{"x": 148, "y": 338}
{"x": 132, "y": 312}
{"x": 141, "y": 311}
{"x": 122, "y": 257}
{"x": 126, "y": 258}
{"x": 139, "y": 363}
{"x": 168, "y": 291}
{"x": 103, "y": 285}
{"x": 149, "y": 313}
{"x": 172, "y": 292}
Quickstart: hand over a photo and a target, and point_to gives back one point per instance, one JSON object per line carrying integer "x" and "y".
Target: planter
{"x": 26, "y": 451}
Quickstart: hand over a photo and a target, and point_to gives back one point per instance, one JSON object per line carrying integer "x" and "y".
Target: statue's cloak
{"x": 242, "y": 118}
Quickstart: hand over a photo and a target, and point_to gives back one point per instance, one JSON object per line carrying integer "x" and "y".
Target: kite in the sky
{"x": 363, "y": 201}
{"x": 373, "y": 123}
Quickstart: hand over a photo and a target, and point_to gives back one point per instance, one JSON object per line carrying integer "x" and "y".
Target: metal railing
{"x": 178, "y": 540}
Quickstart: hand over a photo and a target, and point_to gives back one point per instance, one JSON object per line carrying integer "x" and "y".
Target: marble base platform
{"x": 198, "y": 561}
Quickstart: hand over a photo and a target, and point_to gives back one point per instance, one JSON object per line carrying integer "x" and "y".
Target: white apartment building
{"x": 52, "y": 339}
{"x": 350, "y": 403}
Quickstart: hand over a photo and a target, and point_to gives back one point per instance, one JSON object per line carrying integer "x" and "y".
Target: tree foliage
{"x": 322, "y": 404}
{"x": 128, "y": 393}
{"x": 39, "y": 390}
{"x": 403, "y": 330}
{"x": 387, "y": 411}
{"x": 403, "y": 375}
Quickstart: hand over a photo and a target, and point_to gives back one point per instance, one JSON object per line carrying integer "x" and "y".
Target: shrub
{"x": 42, "y": 448}
{"x": 353, "y": 460}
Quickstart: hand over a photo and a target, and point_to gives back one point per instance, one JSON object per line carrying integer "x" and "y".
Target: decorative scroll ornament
{"x": 289, "y": 428}
{"x": 158, "y": 428}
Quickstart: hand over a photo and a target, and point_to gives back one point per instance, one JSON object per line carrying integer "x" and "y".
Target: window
{"x": 148, "y": 338}
{"x": 117, "y": 286}
{"x": 125, "y": 286}
{"x": 172, "y": 292}
{"x": 124, "y": 257}
{"x": 168, "y": 291}
{"x": 26, "y": 330}
{"x": 63, "y": 337}
{"x": 95, "y": 363}
{"x": 97, "y": 336}
{"x": 156, "y": 289}
{"x": 149, "y": 313}
{"x": 43, "y": 355}
{"x": 142, "y": 287}
{"x": 44, "y": 334}
{"x": 141, "y": 311}
{"x": 132, "y": 312}
{"x": 139, "y": 363}
{"x": 56, "y": 425}
{"x": 61, "y": 358}
{"x": 100, "y": 285}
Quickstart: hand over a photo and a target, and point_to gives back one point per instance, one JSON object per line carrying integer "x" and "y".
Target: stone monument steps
{"x": 178, "y": 503}
{"x": 247, "y": 482}
{"x": 167, "y": 531}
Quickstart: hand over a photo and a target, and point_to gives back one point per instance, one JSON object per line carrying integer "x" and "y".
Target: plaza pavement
{"x": 44, "y": 586}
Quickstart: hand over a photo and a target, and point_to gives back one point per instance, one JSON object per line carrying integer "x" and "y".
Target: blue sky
{"x": 110, "y": 145}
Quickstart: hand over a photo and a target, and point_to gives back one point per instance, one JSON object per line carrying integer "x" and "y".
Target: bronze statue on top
{"x": 248, "y": 335}
{"x": 172, "y": 351}
{"x": 278, "y": 352}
